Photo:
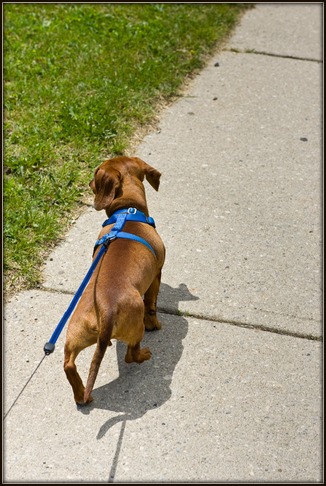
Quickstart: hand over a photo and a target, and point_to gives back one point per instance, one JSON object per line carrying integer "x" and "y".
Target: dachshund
{"x": 120, "y": 299}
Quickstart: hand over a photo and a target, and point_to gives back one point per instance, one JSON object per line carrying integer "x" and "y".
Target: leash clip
{"x": 48, "y": 348}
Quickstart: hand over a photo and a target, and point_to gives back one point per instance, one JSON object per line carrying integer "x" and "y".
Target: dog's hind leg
{"x": 129, "y": 326}
{"x": 72, "y": 374}
{"x": 150, "y": 298}
{"x": 136, "y": 327}
{"x": 81, "y": 333}
{"x": 102, "y": 343}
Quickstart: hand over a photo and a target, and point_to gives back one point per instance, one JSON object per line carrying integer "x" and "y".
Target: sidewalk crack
{"x": 221, "y": 320}
{"x": 246, "y": 325}
{"x": 282, "y": 56}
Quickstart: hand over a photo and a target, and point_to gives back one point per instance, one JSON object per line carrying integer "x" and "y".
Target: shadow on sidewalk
{"x": 144, "y": 387}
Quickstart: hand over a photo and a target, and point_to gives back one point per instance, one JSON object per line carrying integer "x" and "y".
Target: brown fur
{"x": 112, "y": 306}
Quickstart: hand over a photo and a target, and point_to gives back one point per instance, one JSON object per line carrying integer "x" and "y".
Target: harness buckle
{"x": 111, "y": 236}
{"x": 108, "y": 240}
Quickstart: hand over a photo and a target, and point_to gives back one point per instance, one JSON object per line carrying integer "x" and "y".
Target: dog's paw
{"x": 151, "y": 323}
{"x": 145, "y": 354}
{"x": 83, "y": 403}
{"x": 137, "y": 355}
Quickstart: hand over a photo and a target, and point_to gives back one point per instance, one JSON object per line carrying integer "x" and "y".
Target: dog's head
{"x": 119, "y": 177}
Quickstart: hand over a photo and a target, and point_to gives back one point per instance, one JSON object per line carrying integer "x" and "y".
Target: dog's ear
{"x": 152, "y": 175}
{"x": 105, "y": 186}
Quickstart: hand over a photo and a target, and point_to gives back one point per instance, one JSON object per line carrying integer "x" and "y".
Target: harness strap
{"x": 130, "y": 236}
{"x": 132, "y": 214}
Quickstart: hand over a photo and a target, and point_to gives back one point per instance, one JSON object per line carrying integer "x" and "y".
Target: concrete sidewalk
{"x": 233, "y": 390}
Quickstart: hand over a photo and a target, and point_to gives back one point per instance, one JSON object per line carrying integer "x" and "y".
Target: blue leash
{"x": 49, "y": 346}
{"x": 119, "y": 218}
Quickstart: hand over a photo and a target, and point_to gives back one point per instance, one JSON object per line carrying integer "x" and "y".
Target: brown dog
{"x": 112, "y": 306}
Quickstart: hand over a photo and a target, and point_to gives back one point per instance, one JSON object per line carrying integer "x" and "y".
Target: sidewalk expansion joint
{"x": 270, "y": 54}
{"x": 231, "y": 322}
{"x": 221, "y": 320}
{"x": 43, "y": 288}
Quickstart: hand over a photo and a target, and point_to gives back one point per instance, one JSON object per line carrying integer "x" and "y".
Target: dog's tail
{"x": 103, "y": 342}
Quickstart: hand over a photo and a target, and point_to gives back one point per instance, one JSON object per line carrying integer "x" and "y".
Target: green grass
{"x": 80, "y": 79}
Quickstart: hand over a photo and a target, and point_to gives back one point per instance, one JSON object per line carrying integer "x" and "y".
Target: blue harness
{"x": 118, "y": 218}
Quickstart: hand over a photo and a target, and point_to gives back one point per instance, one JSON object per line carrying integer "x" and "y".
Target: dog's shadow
{"x": 144, "y": 387}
